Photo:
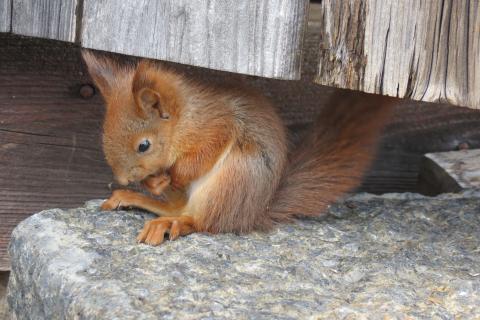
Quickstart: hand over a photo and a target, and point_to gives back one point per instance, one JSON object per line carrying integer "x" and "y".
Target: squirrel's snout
{"x": 122, "y": 180}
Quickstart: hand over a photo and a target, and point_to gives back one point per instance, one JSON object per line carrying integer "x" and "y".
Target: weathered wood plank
{"x": 5, "y": 15}
{"x": 450, "y": 171}
{"x": 418, "y": 128}
{"x": 424, "y": 50}
{"x": 262, "y": 37}
{"x": 50, "y": 151}
{"x": 4, "y": 312}
{"x": 51, "y": 148}
{"x": 51, "y": 19}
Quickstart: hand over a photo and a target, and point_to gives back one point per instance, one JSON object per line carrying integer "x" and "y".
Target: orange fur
{"x": 225, "y": 151}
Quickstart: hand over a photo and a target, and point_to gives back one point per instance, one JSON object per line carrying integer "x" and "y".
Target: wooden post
{"x": 5, "y": 15}
{"x": 424, "y": 50}
{"x": 52, "y": 19}
{"x": 262, "y": 37}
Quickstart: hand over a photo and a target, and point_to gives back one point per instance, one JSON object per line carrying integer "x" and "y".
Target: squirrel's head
{"x": 142, "y": 109}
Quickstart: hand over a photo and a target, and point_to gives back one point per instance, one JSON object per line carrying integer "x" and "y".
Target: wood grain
{"x": 5, "y": 15}
{"x": 262, "y": 37}
{"x": 51, "y": 19}
{"x": 418, "y": 128}
{"x": 452, "y": 171}
{"x": 50, "y": 151}
{"x": 4, "y": 312}
{"x": 424, "y": 50}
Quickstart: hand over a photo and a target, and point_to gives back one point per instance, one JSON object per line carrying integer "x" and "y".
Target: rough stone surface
{"x": 375, "y": 257}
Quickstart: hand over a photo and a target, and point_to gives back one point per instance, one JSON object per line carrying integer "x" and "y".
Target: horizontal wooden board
{"x": 418, "y": 128}
{"x": 424, "y": 50}
{"x": 5, "y": 15}
{"x": 51, "y": 19}
{"x": 50, "y": 153}
{"x": 262, "y": 37}
{"x": 451, "y": 171}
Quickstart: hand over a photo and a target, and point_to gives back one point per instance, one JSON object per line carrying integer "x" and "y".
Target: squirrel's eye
{"x": 143, "y": 146}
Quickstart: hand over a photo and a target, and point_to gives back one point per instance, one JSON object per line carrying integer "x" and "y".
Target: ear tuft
{"x": 102, "y": 70}
{"x": 154, "y": 90}
{"x": 145, "y": 75}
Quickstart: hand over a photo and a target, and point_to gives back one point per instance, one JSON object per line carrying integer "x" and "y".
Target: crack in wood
{"x": 432, "y": 53}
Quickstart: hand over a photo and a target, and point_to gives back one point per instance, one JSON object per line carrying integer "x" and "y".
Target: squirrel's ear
{"x": 102, "y": 70}
{"x": 149, "y": 102}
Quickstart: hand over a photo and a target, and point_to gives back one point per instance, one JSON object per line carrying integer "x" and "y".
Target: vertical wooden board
{"x": 473, "y": 78}
{"x": 52, "y": 19}
{"x": 262, "y": 37}
{"x": 5, "y": 15}
{"x": 424, "y": 50}
{"x": 341, "y": 56}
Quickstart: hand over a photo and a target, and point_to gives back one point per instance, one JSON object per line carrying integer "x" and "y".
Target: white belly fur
{"x": 197, "y": 188}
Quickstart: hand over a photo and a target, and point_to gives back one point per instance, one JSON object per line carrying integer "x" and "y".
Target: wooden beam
{"x": 5, "y": 15}
{"x": 424, "y": 50}
{"x": 262, "y": 37}
{"x": 452, "y": 171}
{"x": 52, "y": 19}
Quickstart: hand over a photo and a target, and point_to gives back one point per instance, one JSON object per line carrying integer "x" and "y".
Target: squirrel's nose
{"x": 122, "y": 180}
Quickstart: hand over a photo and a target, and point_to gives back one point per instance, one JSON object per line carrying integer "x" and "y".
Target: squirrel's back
{"x": 235, "y": 194}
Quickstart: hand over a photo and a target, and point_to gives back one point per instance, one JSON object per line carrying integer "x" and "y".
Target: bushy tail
{"x": 334, "y": 156}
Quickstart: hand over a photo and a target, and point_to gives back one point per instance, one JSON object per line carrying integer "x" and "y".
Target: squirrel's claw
{"x": 118, "y": 199}
{"x": 153, "y": 232}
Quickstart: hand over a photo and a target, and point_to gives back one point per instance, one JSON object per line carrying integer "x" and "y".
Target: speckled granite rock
{"x": 376, "y": 257}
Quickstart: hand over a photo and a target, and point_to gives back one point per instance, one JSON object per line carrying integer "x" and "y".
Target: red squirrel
{"x": 219, "y": 155}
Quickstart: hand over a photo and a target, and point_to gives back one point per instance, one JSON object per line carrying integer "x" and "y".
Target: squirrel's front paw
{"x": 157, "y": 184}
{"x": 154, "y": 230}
{"x": 118, "y": 199}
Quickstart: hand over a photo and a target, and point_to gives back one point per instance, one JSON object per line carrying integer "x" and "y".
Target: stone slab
{"x": 376, "y": 257}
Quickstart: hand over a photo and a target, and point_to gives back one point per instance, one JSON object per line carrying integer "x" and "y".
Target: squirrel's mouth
{"x": 126, "y": 180}
{"x": 137, "y": 176}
